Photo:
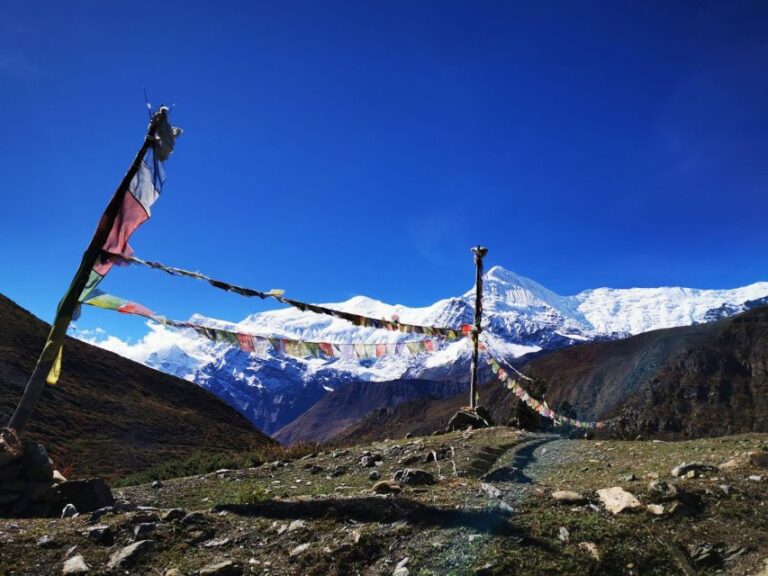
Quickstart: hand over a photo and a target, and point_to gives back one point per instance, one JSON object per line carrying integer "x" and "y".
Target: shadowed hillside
{"x": 108, "y": 415}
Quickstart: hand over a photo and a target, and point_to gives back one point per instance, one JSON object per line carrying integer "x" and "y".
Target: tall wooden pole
{"x": 69, "y": 302}
{"x": 479, "y": 253}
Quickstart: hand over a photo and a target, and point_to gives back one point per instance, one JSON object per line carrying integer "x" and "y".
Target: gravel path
{"x": 519, "y": 469}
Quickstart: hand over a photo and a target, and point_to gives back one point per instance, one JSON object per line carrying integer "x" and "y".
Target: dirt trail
{"x": 522, "y": 466}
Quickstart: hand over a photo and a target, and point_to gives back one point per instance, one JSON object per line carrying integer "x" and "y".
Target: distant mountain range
{"x": 521, "y": 317}
{"x": 107, "y": 415}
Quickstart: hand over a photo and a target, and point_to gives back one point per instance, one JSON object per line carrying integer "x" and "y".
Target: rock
{"x": 374, "y": 475}
{"x": 173, "y": 515}
{"x": 408, "y": 460}
{"x": 11, "y": 448}
{"x": 46, "y": 542}
{"x": 705, "y": 555}
{"x": 759, "y": 459}
{"x": 69, "y": 511}
{"x": 101, "y": 534}
{"x": 663, "y": 490}
{"x": 172, "y": 572}
{"x": 386, "y": 487}
{"x": 75, "y": 565}
{"x": 467, "y": 418}
{"x": 568, "y": 497}
{"x": 490, "y": 490}
{"x": 216, "y": 543}
{"x": 36, "y": 464}
{"x": 726, "y": 488}
{"x": 339, "y": 470}
{"x": 400, "y": 568}
{"x": 630, "y": 478}
{"x": 408, "y": 435}
{"x": 157, "y": 484}
{"x": 699, "y": 467}
{"x": 655, "y": 509}
{"x": 617, "y": 500}
{"x": 414, "y": 477}
{"x": 144, "y": 529}
{"x": 590, "y": 548}
{"x": 225, "y": 568}
{"x": 367, "y": 462}
{"x": 564, "y": 535}
{"x": 299, "y": 549}
{"x": 58, "y": 477}
{"x": 296, "y": 525}
{"x": 755, "y": 478}
{"x": 193, "y": 518}
{"x": 86, "y": 495}
{"x": 129, "y": 555}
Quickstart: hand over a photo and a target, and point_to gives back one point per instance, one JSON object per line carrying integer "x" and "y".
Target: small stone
{"x": 408, "y": 460}
{"x": 75, "y": 565}
{"x": 338, "y": 471}
{"x": 216, "y": 543}
{"x": 413, "y": 477}
{"x": 568, "y": 497}
{"x": 367, "y": 462}
{"x": 590, "y": 548}
{"x": 408, "y": 436}
{"x": 101, "y": 534}
{"x": 386, "y": 487}
{"x": 400, "y": 569}
{"x": 173, "y": 515}
{"x": 46, "y": 542}
{"x": 225, "y": 568}
{"x": 374, "y": 475}
{"x": 157, "y": 484}
{"x": 564, "y": 535}
{"x": 662, "y": 489}
{"x": 755, "y": 478}
{"x": 129, "y": 555}
{"x": 296, "y": 525}
{"x": 172, "y": 572}
{"x": 630, "y": 478}
{"x": 144, "y": 529}
{"x": 655, "y": 509}
{"x": 726, "y": 488}
{"x": 759, "y": 459}
{"x": 299, "y": 549}
{"x": 684, "y": 468}
{"x": 69, "y": 511}
{"x": 617, "y": 500}
{"x": 490, "y": 490}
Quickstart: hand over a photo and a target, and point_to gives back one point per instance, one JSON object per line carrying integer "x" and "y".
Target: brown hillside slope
{"x": 687, "y": 382}
{"x": 339, "y": 410}
{"x": 109, "y": 415}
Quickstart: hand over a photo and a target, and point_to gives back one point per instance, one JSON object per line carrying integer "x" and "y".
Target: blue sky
{"x": 334, "y": 149}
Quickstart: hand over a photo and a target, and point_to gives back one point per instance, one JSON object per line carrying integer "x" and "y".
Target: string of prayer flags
{"x": 393, "y": 324}
{"x": 261, "y": 344}
{"x": 540, "y": 407}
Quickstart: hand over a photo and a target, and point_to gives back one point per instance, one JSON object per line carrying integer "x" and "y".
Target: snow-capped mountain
{"x": 520, "y": 316}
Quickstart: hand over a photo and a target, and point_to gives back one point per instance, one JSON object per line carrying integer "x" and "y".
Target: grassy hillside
{"x": 108, "y": 415}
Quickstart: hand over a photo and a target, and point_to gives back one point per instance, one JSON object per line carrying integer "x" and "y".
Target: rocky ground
{"x": 494, "y": 501}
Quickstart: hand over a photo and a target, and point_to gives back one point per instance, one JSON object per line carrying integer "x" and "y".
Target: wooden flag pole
{"x": 479, "y": 253}
{"x": 69, "y": 302}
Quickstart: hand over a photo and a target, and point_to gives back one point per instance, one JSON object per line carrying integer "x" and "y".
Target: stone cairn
{"x": 29, "y": 485}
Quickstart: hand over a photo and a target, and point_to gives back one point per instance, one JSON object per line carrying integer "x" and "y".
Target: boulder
{"x": 69, "y": 511}
{"x": 759, "y": 459}
{"x": 568, "y": 498}
{"x": 616, "y": 500}
{"x": 413, "y": 477}
{"x": 662, "y": 490}
{"x": 86, "y": 495}
{"x": 101, "y": 534}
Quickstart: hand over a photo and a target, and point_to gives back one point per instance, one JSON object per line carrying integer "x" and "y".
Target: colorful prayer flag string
{"x": 356, "y": 319}
{"x": 261, "y": 344}
{"x": 540, "y": 407}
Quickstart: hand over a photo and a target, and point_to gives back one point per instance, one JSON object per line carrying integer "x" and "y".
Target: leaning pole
{"x": 479, "y": 252}
{"x": 68, "y": 305}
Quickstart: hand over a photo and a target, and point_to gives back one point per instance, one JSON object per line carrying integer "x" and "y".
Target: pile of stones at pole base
{"x": 29, "y": 485}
